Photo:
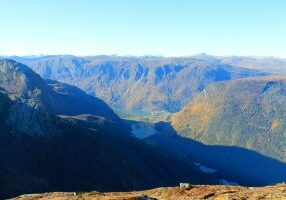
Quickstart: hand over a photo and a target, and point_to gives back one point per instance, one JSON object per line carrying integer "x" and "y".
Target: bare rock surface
{"x": 193, "y": 193}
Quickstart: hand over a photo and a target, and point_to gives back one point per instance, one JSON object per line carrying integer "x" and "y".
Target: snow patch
{"x": 205, "y": 169}
{"x": 143, "y": 130}
{"x": 226, "y": 182}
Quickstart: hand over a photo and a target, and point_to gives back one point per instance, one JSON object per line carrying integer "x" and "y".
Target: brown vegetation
{"x": 193, "y": 192}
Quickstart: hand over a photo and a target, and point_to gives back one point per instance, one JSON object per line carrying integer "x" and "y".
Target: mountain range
{"x": 211, "y": 120}
{"x": 44, "y": 148}
{"x": 140, "y": 86}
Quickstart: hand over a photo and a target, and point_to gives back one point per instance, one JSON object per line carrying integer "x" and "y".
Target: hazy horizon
{"x": 143, "y": 55}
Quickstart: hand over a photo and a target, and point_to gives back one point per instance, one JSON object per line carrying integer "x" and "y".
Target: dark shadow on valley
{"x": 237, "y": 164}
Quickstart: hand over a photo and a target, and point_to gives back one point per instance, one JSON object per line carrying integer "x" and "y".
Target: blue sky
{"x": 143, "y": 27}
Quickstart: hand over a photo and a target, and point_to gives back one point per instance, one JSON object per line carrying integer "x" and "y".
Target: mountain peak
{"x": 33, "y": 97}
{"x": 18, "y": 79}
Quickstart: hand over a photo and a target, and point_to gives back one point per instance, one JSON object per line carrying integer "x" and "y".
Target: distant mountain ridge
{"x": 267, "y": 64}
{"x": 140, "y": 85}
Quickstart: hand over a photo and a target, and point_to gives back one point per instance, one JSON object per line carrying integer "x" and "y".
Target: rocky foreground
{"x": 177, "y": 193}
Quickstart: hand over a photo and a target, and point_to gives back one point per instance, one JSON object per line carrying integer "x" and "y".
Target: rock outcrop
{"x": 201, "y": 192}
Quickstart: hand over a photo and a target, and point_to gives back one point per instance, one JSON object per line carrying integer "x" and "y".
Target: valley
{"x": 146, "y": 86}
{"x": 142, "y": 100}
{"x": 55, "y": 135}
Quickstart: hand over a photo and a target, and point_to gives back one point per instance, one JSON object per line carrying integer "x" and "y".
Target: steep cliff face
{"x": 140, "y": 85}
{"x": 21, "y": 105}
{"x": 33, "y": 96}
{"x": 249, "y": 113}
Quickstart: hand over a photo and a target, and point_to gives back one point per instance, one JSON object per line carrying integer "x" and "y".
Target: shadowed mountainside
{"x": 42, "y": 152}
{"x": 61, "y": 99}
{"x": 235, "y": 164}
{"x": 80, "y": 159}
{"x": 248, "y": 113}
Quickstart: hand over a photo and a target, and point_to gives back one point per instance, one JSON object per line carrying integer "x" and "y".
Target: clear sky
{"x": 143, "y": 27}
